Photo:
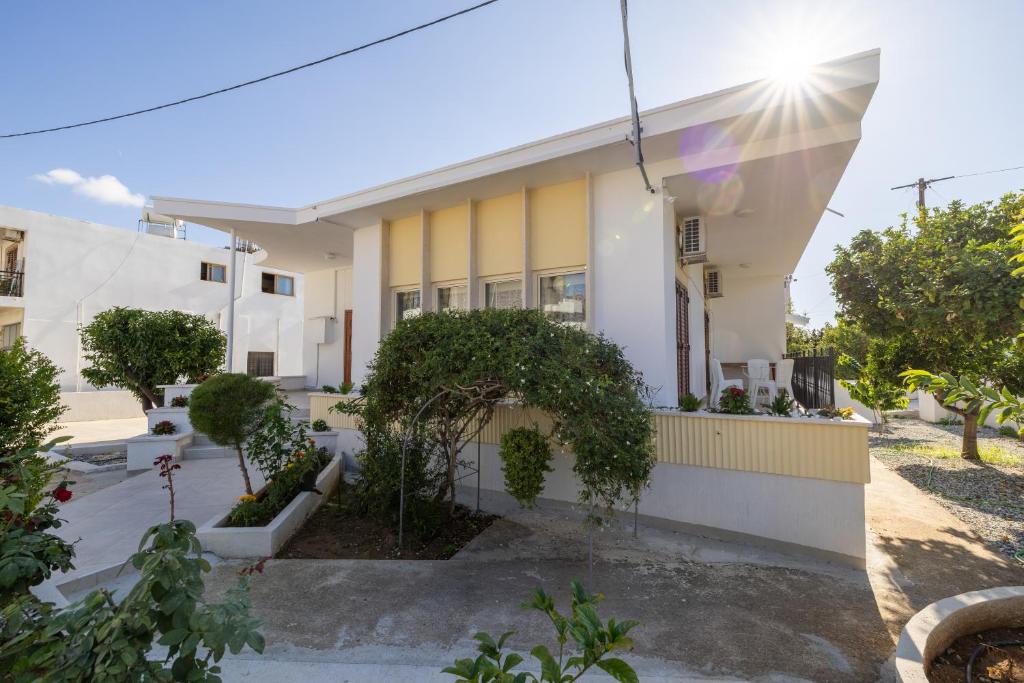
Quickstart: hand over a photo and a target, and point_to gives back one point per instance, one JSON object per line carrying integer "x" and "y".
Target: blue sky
{"x": 949, "y": 100}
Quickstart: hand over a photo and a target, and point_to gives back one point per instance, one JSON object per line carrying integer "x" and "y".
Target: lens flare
{"x": 700, "y": 140}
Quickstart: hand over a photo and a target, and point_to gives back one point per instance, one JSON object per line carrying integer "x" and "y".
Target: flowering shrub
{"x": 299, "y": 474}
{"x": 276, "y": 438}
{"x": 735, "y": 401}
{"x": 164, "y": 427}
{"x": 179, "y": 402}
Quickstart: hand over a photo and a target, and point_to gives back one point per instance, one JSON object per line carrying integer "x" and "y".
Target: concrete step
{"x": 208, "y": 451}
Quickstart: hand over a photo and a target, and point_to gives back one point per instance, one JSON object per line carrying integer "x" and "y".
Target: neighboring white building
{"x": 58, "y": 273}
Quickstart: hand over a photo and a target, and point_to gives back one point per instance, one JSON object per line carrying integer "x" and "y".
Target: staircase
{"x": 203, "y": 448}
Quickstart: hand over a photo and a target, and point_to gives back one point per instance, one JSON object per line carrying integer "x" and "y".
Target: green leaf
{"x": 619, "y": 670}
{"x": 548, "y": 666}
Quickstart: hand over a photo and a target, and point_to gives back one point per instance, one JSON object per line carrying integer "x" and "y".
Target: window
{"x": 8, "y": 335}
{"x": 563, "y": 298}
{"x": 407, "y": 304}
{"x": 455, "y": 298}
{"x": 505, "y": 294}
{"x": 212, "y": 272}
{"x": 260, "y": 364}
{"x": 278, "y": 284}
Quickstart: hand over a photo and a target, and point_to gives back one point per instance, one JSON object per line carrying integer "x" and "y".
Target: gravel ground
{"x": 989, "y": 497}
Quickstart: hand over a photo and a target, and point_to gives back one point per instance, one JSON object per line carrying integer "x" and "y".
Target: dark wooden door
{"x": 682, "y": 339}
{"x": 707, "y": 352}
{"x": 347, "y": 365}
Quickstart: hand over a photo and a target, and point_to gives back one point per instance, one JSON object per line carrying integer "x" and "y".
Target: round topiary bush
{"x": 229, "y": 408}
{"x": 525, "y": 454}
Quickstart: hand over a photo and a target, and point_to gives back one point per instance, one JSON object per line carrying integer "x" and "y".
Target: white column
{"x": 232, "y": 278}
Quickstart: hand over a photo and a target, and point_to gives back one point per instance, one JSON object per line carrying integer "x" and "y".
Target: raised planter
{"x": 173, "y": 390}
{"x": 178, "y": 416}
{"x": 145, "y": 448}
{"x": 328, "y": 440}
{"x": 265, "y": 541}
{"x": 933, "y": 629}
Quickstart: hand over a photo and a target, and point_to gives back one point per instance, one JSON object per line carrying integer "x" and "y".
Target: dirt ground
{"x": 999, "y": 662}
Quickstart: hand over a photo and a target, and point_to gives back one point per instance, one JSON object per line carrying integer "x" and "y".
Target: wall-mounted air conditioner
{"x": 692, "y": 234}
{"x": 712, "y": 283}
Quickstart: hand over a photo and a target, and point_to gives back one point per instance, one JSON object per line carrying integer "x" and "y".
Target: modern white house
{"x": 58, "y": 273}
{"x": 692, "y": 269}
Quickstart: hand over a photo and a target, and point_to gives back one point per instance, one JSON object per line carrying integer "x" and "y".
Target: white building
{"x": 58, "y": 273}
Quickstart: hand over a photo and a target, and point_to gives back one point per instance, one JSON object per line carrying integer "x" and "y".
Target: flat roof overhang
{"x": 744, "y": 123}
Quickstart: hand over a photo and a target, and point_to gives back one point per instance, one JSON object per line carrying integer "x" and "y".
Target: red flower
{"x": 736, "y": 391}
{"x": 62, "y": 494}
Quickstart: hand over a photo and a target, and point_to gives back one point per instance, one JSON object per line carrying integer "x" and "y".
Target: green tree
{"x": 941, "y": 297}
{"x": 29, "y": 398}
{"x": 230, "y": 408}
{"x": 139, "y": 350}
{"x": 872, "y": 388}
{"x": 449, "y": 371}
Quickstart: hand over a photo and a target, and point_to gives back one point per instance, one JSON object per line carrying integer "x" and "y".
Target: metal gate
{"x": 814, "y": 379}
{"x": 682, "y": 339}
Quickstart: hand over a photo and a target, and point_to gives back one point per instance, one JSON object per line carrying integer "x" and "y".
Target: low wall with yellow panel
{"x": 791, "y": 483}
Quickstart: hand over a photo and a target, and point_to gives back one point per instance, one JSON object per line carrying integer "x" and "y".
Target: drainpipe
{"x": 232, "y": 277}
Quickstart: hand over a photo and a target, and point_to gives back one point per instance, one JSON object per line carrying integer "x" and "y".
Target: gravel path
{"x": 989, "y": 497}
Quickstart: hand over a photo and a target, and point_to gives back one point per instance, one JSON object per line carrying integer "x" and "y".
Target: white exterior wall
{"x": 367, "y": 275}
{"x": 75, "y": 269}
{"x": 633, "y": 301}
{"x": 749, "y": 321}
{"x": 328, "y": 294}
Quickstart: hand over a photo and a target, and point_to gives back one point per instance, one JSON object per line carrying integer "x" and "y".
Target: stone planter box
{"x": 328, "y": 440}
{"x": 179, "y": 416}
{"x": 145, "y": 448}
{"x": 933, "y": 629}
{"x": 174, "y": 390}
{"x": 265, "y": 541}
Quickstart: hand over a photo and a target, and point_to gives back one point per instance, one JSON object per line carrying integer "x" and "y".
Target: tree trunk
{"x": 969, "y": 448}
{"x": 453, "y": 453}
{"x": 147, "y": 405}
{"x": 245, "y": 472}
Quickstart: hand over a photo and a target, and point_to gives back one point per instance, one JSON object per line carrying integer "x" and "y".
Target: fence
{"x": 814, "y": 376}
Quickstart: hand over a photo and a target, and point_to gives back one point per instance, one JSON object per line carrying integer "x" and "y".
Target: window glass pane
{"x": 452, "y": 298}
{"x": 267, "y": 283}
{"x": 284, "y": 285}
{"x": 507, "y": 294}
{"x": 563, "y": 297}
{"x": 217, "y": 273}
{"x": 407, "y": 304}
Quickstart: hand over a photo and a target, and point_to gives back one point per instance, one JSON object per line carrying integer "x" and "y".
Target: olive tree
{"x": 139, "y": 350}
{"x": 29, "y": 397}
{"x": 941, "y": 295}
{"x": 447, "y": 373}
{"x": 230, "y": 408}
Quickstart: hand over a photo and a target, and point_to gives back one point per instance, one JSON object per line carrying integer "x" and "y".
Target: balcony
{"x": 12, "y": 282}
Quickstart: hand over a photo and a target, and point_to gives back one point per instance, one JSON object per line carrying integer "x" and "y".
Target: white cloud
{"x": 105, "y": 189}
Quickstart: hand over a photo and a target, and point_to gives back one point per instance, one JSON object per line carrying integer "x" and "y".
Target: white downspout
{"x": 232, "y": 277}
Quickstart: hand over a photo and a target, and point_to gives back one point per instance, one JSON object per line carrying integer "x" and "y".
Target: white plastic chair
{"x": 719, "y": 383}
{"x": 759, "y": 376}
{"x": 784, "y": 376}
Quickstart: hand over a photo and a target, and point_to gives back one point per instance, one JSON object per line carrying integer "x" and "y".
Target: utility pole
{"x": 921, "y": 186}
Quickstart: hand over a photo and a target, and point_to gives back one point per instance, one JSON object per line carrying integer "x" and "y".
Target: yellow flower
{"x": 289, "y": 466}
{"x": 246, "y": 498}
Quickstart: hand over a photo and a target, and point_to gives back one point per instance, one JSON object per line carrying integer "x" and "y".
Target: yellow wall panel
{"x": 449, "y": 244}
{"x": 558, "y": 225}
{"x": 405, "y": 251}
{"x": 499, "y": 235}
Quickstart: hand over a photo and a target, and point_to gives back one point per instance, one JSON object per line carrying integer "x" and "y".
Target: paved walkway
{"x": 108, "y": 523}
{"x": 101, "y": 430}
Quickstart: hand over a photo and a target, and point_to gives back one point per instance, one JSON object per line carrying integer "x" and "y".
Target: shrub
{"x": 29, "y": 398}
{"x": 275, "y": 439}
{"x": 328, "y": 389}
{"x": 139, "y": 350}
{"x": 298, "y": 475}
{"x": 179, "y": 402}
{"x": 346, "y": 388}
{"x": 689, "y": 403}
{"x": 735, "y": 401}
{"x": 525, "y": 454}
{"x": 594, "y": 639}
{"x": 229, "y": 408}
{"x": 320, "y": 426}
{"x": 781, "y": 405}
{"x": 164, "y": 427}
{"x": 833, "y": 412}
{"x": 1007, "y": 430}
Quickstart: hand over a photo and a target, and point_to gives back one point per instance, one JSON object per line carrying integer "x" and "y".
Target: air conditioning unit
{"x": 692, "y": 235}
{"x": 10, "y": 235}
{"x": 712, "y": 283}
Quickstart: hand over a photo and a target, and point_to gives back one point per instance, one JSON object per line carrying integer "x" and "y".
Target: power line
{"x": 923, "y": 184}
{"x": 998, "y": 170}
{"x": 638, "y": 155}
{"x": 261, "y": 79}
